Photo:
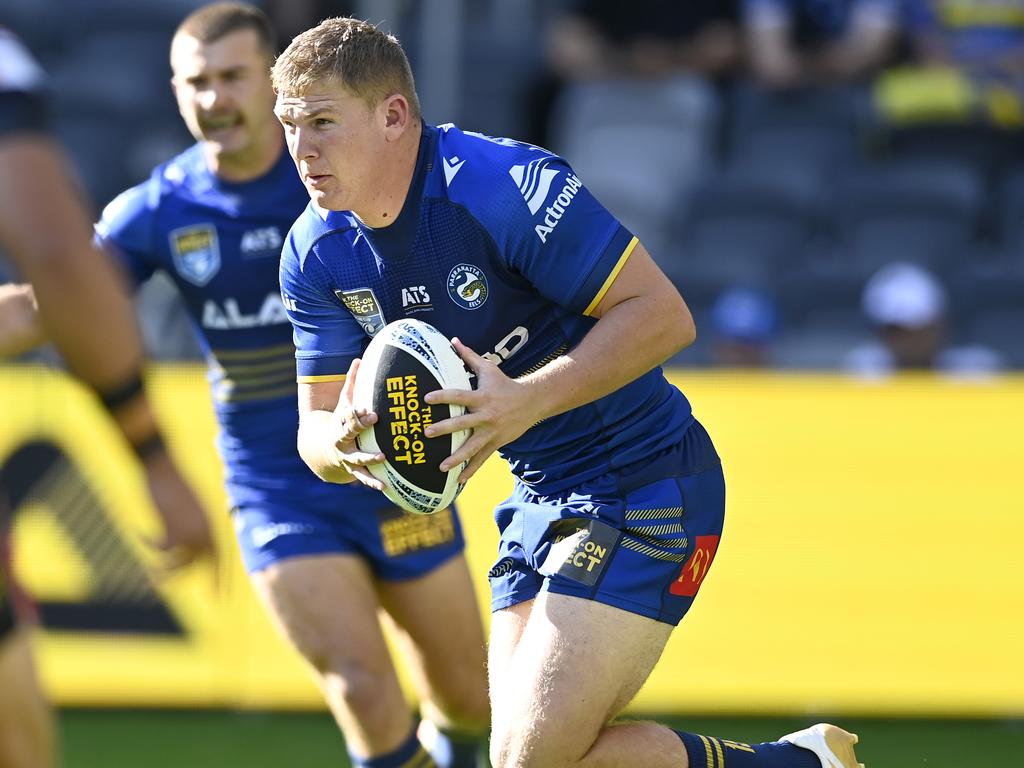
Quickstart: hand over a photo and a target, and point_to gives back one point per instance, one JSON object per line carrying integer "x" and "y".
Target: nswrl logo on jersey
{"x": 196, "y": 252}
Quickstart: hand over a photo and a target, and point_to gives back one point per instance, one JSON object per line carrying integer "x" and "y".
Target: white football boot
{"x": 832, "y": 745}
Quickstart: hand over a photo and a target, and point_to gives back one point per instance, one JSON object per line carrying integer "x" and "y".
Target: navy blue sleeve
{"x": 126, "y": 231}
{"x": 555, "y": 233}
{"x": 326, "y": 335}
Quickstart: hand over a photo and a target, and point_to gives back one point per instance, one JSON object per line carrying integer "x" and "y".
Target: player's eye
{"x": 322, "y": 122}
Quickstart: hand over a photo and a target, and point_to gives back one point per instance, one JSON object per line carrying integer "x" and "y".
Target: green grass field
{"x": 161, "y": 739}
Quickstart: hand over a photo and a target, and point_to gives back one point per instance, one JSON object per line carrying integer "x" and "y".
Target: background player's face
{"x": 338, "y": 143}
{"x": 224, "y": 93}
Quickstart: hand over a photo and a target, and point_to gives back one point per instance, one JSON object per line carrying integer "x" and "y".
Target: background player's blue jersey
{"x": 220, "y": 243}
{"x": 500, "y": 244}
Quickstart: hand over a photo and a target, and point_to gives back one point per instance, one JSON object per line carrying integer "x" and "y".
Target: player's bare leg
{"x": 442, "y": 638}
{"x": 26, "y": 722}
{"x": 327, "y": 607}
{"x": 561, "y": 669}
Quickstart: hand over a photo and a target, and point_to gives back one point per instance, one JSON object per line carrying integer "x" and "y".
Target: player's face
{"x": 337, "y": 142}
{"x": 224, "y": 93}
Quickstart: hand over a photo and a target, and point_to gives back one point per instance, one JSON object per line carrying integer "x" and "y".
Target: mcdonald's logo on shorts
{"x": 696, "y": 567}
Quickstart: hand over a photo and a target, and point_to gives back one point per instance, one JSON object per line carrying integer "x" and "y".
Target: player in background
{"x": 619, "y": 496}
{"x": 323, "y": 559}
{"x": 44, "y": 230}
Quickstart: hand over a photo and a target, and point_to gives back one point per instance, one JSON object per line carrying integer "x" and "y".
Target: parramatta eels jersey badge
{"x": 467, "y": 285}
{"x": 196, "y": 252}
{"x": 363, "y": 304}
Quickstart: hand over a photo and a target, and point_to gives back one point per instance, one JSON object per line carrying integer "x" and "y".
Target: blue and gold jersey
{"x": 220, "y": 243}
{"x": 500, "y": 244}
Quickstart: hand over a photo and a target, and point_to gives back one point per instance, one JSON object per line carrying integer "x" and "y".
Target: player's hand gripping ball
{"x": 405, "y": 360}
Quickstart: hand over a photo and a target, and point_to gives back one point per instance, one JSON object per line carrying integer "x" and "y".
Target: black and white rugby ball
{"x": 405, "y": 360}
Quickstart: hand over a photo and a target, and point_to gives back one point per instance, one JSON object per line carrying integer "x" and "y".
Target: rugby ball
{"x": 405, "y": 360}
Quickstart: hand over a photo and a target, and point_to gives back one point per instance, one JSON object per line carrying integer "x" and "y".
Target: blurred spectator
{"x": 744, "y": 325}
{"x": 972, "y": 64}
{"x": 980, "y": 37}
{"x": 646, "y": 39}
{"x": 794, "y": 43}
{"x": 907, "y": 307}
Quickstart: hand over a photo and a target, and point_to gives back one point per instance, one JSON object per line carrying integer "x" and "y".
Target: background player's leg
{"x": 326, "y": 606}
{"x": 440, "y": 630}
{"x": 26, "y": 723}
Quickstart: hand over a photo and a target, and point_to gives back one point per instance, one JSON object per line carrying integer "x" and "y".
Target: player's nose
{"x": 305, "y": 144}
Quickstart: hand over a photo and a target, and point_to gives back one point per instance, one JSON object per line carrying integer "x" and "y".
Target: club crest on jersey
{"x": 467, "y": 285}
{"x": 196, "y": 252}
{"x": 363, "y": 304}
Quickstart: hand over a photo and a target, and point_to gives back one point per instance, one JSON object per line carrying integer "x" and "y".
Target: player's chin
{"x": 325, "y": 199}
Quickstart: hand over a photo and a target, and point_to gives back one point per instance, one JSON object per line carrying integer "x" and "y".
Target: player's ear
{"x": 396, "y": 115}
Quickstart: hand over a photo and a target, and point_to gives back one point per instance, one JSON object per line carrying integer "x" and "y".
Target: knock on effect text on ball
{"x": 410, "y": 416}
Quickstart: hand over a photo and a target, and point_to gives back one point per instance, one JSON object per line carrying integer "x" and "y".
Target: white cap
{"x": 903, "y": 294}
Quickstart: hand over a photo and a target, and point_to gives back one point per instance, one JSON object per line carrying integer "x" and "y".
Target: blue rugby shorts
{"x": 641, "y": 540}
{"x": 346, "y": 519}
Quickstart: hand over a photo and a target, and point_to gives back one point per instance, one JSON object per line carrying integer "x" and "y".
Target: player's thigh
{"x": 441, "y": 630}
{"x": 507, "y": 627}
{"x": 576, "y": 665}
{"x": 326, "y": 605}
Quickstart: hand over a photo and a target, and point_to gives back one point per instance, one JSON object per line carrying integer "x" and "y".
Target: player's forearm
{"x": 317, "y": 447}
{"x": 84, "y": 307}
{"x": 20, "y": 330}
{"x": 629, "y": 340}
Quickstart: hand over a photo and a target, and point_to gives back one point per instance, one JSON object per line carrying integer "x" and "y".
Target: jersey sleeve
{"x": 327, "y": 338}
{"x": 23, "y": 103}
{"x": 557, "y": 235}
{"x": 126, "y": 230}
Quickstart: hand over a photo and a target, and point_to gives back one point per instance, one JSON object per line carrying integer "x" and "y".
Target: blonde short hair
{"x": 369, "y": 63}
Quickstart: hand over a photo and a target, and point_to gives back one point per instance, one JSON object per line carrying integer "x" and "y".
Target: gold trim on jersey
{"x": 611, "y": 277}
{"x": 251, "y": 354}
{"x": 320, "y": 378}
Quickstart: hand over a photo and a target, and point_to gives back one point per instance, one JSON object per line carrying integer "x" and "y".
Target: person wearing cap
{"x": 907, "y": 307}
{"x": 745, "y": 322}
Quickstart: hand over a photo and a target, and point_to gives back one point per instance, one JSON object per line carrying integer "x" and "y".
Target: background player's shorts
{"x": 347, "y": 519}
{"x": 641, "y": 541}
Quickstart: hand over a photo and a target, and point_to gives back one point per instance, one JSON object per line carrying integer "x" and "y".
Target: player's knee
{"x": 514, "y": 748}
{"x": 358, "y": 687}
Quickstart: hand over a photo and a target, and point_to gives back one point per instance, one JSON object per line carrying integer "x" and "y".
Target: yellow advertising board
{"x": 869, "y": 563}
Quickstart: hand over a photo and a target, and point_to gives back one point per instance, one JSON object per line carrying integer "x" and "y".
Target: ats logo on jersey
{"x": 363, "y": 304}
{"x": 534, "y": 180}
{"x": 265, "y": 241}
{"x": 196, "y": 252}
{"x": 467, "y": 285}
{"x": 415, "y": 298}
{"x": 696, "y": 567}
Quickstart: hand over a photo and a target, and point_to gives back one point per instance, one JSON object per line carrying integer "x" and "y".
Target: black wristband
{"x": 122, "y": 395}
{"x": 149, "y": 446}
